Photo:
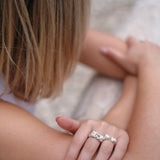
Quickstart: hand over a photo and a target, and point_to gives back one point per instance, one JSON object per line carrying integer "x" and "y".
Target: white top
{"x": 9, "y": 97}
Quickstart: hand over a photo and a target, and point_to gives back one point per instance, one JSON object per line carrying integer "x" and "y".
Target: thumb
{"x": 68, "y": 124}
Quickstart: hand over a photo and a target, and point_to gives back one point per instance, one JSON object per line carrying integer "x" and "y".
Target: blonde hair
{"x": 40, "y": 44}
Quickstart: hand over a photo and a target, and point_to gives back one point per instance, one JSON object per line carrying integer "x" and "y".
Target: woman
{"x": 39, "y": 40}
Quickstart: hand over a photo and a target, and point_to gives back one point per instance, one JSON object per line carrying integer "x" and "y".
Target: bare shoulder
{"x": 23, "y": 136}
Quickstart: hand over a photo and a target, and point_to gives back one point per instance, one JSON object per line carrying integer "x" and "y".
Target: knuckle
{"x": 114, "y": 129}
{"x": 103, "y": 124}
{"x": 125, "y": 135}
{"x": 89, "y": 122}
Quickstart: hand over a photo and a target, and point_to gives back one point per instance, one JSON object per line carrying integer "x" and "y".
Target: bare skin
{"x": 123, "y": 117}
{"x": 91, "y": 53}
{"x": 143, "y": 127}
{"x": 144, "y": 58}
{"x": 121, "y": 113}
{"x": 22, "y": 136}
{"x": 119, "y": 116}
{"x": 27, "y": 138}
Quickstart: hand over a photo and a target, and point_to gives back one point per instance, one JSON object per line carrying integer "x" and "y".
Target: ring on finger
{"x": 112, "y": 139}
{"x": 102, "y": 138}
{"x": 97, "y": 136}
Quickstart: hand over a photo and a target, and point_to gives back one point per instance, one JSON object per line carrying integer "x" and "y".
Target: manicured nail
{"x": 60, "y": 120}
{"x": 104, "y": 50}
{"x": 57, "y": 118}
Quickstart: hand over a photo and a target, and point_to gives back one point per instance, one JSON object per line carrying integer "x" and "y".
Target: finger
{"x": 112, "y": 53}
{"x": 107, "y": 146}
{"x": 115, "y": 56}
{"x": 78, "y": 141}
{"x": 121, "y": 59}
{"x": 89, "y": 149}
{"x": 68, "y": 124}
{"x": 105, "y": 150}
{"x": 120, "y": 148}
{"x": 130, "y": 41}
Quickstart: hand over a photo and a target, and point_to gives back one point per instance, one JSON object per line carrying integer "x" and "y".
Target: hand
{"x": 140, "y": 54}
{"x": 84, "y": 147}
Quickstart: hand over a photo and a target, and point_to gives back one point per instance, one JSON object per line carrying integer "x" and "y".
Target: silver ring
{"x": 107, "y": 137}
{"x": 112, "y": 139}
{"x": 102, "y": 138}
{"x": 97, "y": 136}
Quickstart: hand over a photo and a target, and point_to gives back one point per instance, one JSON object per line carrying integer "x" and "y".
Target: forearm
{"x": 148, "y": 96}
{"x": 92, "y": 57}
{"x": 143, "y": 128}
{"x": 121, "y": 113}
{"x": 22, "y": 136}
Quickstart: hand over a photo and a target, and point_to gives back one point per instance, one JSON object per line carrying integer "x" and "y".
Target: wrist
{"x": 149, "y": 61}
{"x": 149, "y": 72}
{"x": 148, "y": 66}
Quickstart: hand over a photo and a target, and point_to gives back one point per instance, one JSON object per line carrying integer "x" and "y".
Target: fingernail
{"x": 104, "y": 50}
{"x": 59, "y": 116}
{"x": 63, "y": 122}
{"x": 60, "y": 120}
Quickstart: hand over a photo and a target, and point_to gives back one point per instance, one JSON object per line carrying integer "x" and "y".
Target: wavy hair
{"x": 40, "y": 42}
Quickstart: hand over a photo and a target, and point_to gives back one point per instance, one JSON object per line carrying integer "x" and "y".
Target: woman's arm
{"x": 22, "y": 136}
{"x": 143, "y": 59}
{"x": 121, "y": 113}
{"x": 92, "y": 57}
{"x": 144, "y": 127}
{"x": 118, "y": 116}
